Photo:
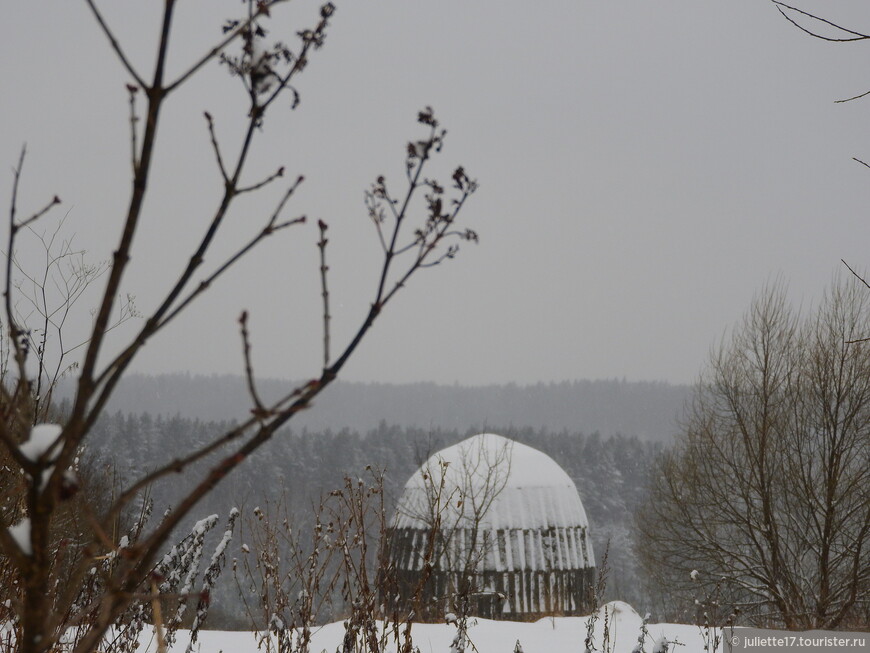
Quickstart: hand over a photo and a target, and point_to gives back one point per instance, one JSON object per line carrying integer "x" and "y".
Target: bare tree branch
{"x": 855, "y": 274}
{"x": 259, "y": 410}
{"x": 17, "y": 334}
{"x": 216, "y": 148}
{"x": 855, "y": 36}
{"x": 121, "y": 256}
{"x": 854, "y": 97}
{"x": 262, "y": 9}
{"x": 275, "y": 175}
{"x": 161, "y": 317}
{"x": 134, "y": 119}
{"x": 324, "y": 291}
{"x": 116, "y": 46}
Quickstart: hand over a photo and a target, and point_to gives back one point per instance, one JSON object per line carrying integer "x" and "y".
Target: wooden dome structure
{"x": 495, "y": 524}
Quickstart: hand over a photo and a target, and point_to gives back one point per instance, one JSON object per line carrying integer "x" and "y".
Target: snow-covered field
{"x": 550, "y": 635}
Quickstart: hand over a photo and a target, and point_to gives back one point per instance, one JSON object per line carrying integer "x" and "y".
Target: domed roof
{"x": 499, "y": 483}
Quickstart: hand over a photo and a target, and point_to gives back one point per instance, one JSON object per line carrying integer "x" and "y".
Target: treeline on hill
{"x": 298, "y": 468}
{"x": 642, "y": 408}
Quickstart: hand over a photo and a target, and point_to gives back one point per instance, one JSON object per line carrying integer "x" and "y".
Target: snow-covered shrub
{"x": 644, "y": 633}
{"x": 596, "y": 600}
{"x": 162, "y": 603}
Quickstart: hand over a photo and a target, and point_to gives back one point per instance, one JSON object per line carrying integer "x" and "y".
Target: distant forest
{"x": 648, "y": 410}
{"x": 299, "y": 466}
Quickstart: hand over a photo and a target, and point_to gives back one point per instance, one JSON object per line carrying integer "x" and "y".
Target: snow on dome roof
{"x": 500, "y": 483}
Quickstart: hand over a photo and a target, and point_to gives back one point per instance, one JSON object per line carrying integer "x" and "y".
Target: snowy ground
{"x": 551, "y": 635}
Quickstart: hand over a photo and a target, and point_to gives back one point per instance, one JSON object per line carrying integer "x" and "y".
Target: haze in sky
{"x": 644, "y": 169}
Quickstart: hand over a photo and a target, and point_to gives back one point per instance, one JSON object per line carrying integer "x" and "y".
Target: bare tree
{"x": 765, "y": 500}
{"x": 50, "y": 283}
{"x": 46, "y": 455}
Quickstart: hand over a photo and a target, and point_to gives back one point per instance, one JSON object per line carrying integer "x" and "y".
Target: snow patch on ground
{"x": 551, "y": 635}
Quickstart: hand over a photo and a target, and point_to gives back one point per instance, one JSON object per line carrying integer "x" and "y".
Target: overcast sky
{"x": 644, "y": 168}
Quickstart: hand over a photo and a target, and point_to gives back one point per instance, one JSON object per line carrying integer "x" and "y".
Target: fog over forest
{"x": 648, "y": 410}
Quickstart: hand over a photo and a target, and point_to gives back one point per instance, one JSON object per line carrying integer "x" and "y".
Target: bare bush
{"x": 292, "y": 577}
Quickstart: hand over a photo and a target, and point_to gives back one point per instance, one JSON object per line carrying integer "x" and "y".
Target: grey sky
{"x": 645, "y": 167}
